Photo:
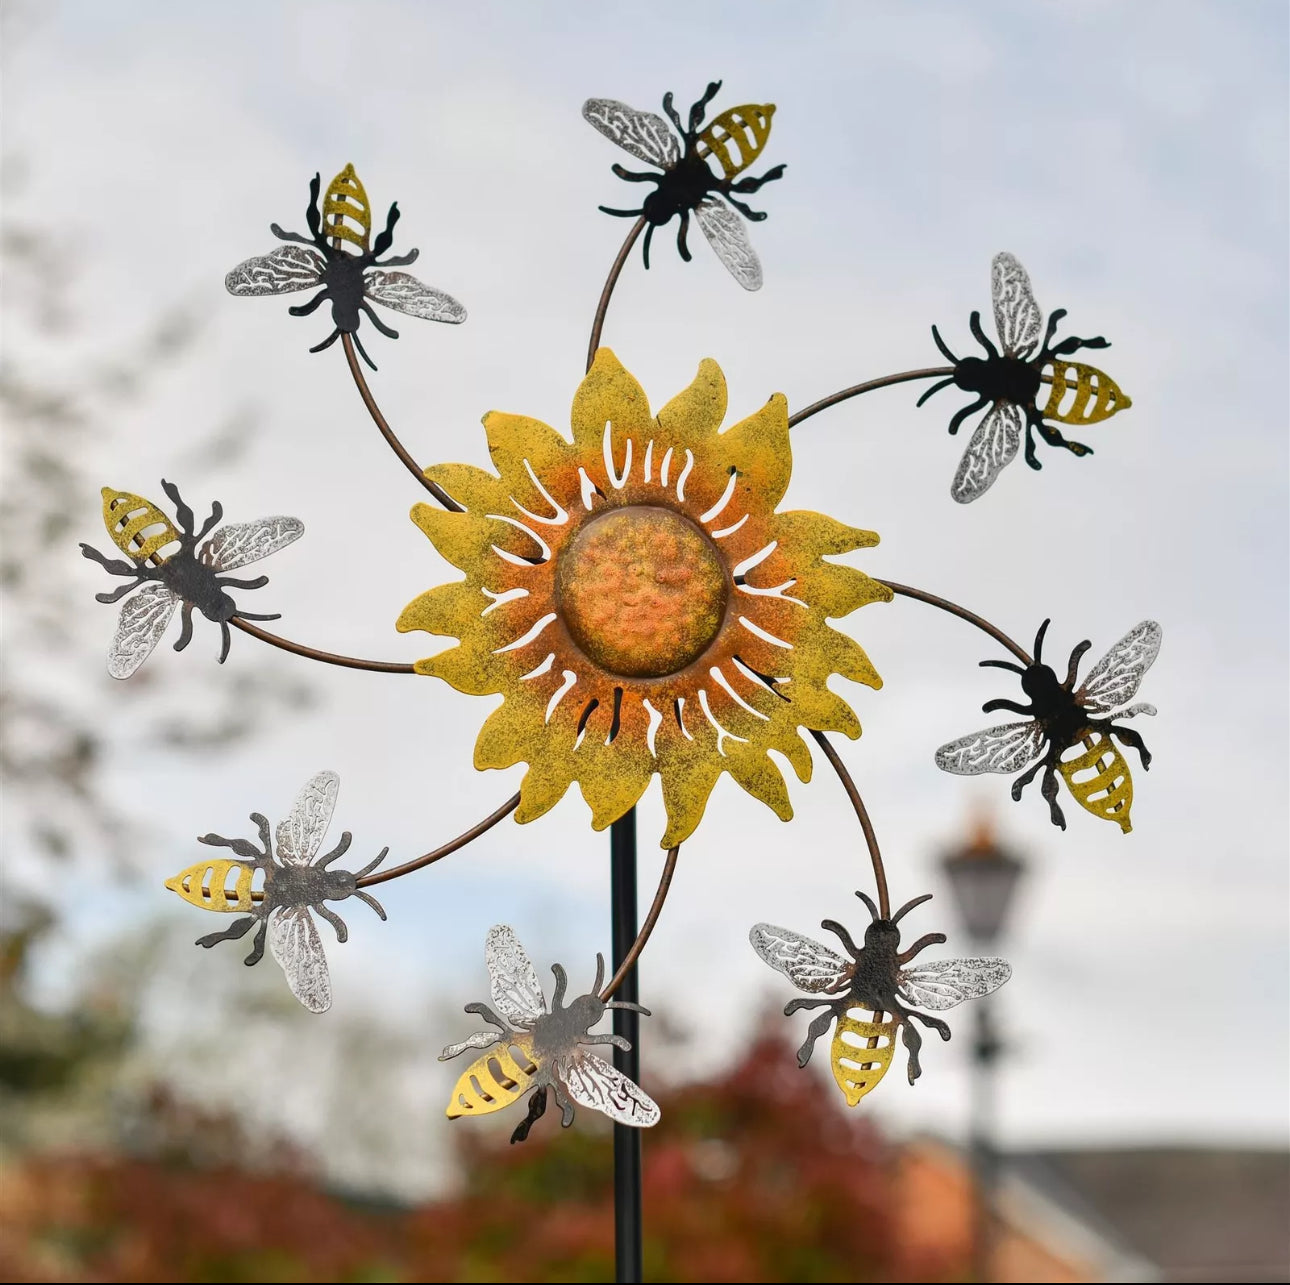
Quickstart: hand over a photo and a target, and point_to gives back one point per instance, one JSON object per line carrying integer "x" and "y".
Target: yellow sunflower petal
{"x": 608, "y": 396}
{"x": 693, "y": 417}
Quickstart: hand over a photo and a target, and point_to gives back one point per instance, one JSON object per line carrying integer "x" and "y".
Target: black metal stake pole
{"x": 984, "y": 1163}
{"x": 627, "y": 1141}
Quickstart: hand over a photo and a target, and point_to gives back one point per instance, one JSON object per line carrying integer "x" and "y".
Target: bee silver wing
{"x": 644, "y": 135}
{"x": 728, "y": 236}
{"x": 404, "y": 293}
{"x": 144, "y": 617}
{"x": 299, "y": 836}
{"x": 808, "y": 965}
{"x": 241, "y": 543}
{"x": 295, "y": 944}
{"x": 1115, "y": 679}
{"x": 288, "y": 268}
{"x": 943, "y": 983}
{"x": 512, "y": 980}
{"x": 1017, "y": 317}
{"x": 994, "y": 445}
{"x": 479, "y": 1040}
{"x": 593, "y": 1083}
{"x": 1006, "y": 748}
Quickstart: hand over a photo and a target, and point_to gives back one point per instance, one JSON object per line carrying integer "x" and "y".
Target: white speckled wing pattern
{"x": 1006, "y": 748}
{"x": 295, "y": 944}
{"x": 943, "y": 983}
{"x": 994, "y": 445}
{"x": 808, "y": 965}
{"x": 288, "y": 268}
{"x": 1115, "y": 679}
{"x": 644, "y": 135}
{"x": 405, "y": 293}
{"x": 728, "y": 237}
{"x": 593, "y": 1083}
{"x": 1017, "y": 316}
{"x": 512, "y": 980}
{"x": 299, "y": 836}
{"x": 144, "y": 617}
{"x": 241, "y": 543}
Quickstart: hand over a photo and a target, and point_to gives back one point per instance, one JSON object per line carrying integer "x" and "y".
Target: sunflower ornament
{"x": 640, "y": 604}
{"x": 635, "y": 593}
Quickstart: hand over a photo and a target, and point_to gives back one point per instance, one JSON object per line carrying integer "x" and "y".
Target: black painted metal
{"x": 627, "y": 1141}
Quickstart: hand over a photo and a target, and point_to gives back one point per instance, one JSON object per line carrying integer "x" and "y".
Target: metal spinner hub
{"x": 642, "y": 591}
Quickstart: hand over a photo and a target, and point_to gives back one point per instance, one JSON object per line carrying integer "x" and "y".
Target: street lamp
{"x": 983, "y": 877}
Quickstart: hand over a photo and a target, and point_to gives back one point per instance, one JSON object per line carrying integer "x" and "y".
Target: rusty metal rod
{"x": 327, "y": 657}
{"x": 862, "y": 813}
{"x": 388, "y": 433}
{"x": 905, "y": 376}
{"x": 921, "y": 595}
{"x": 629, "y": 960}
{"x": 598, "y": 324}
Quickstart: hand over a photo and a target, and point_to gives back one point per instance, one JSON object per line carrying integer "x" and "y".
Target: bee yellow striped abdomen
{"x": 1099, "y": 780}
{"x": 737, "y": 136}
{"x": 206, "y": 885}
{"x": 137, "y": 527}
{"x": 347, "y": 199}
{"x": 857, "y": 1067}
{"x": 492, "y": 1081}
{"x": 1094, "y": 394}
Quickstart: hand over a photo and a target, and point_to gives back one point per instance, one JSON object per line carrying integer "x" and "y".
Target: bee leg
{"x": 304, "y": 309}
{"x": 327, "y": 343}
{"x": 255, "y": 615}
{"x": 633, "y": 176}
{"x": 385, "y": 238}
{"x": 753, "y": 216}
{"x": 241, "y": 847}
{"x": 928, "y": 939}
{"x": 1073, "y": 345}
{"x": 257, "y": 947}
{"x": 182, "y": 511}
{"x": 291, "y": 236}
{"x": 397, "y": 261}
{"x": 337, "y": 923}
{"x": 119, "y": 593}
{"x": 932, "y": 1023}
{"x": 387, "y": 331}
{"x": 537, "y": 1108}
{"x": 649, "y": 236}
{"x": 1072, "y": 668}
{"x": 618, "y": 1041}
{"x": 699, "y": 109}
{"x": 801, "y": 1001}
{"x": 913, "y": 1042}
{"x": 338, "y": 851}
{"x": 1024, "y": 780}
{"x": 1049, "y": 791}
{"x": 1031, "y": 458}
{"x": 261, "y": 823}
{"x": 1000, "y": 703}
{"x": 114, "y": 565}
{"x": 818, "y": 1026}
{"x": 239, "y": 928}
{"x": 371, "y": 901}
{"x": 228, "y": 582}
{"x": 185, "y": 627}
{"x": 619, "y": 214}
{"x": 957, "y": 421}
{"x": 682, "y": 249}
{"x": 217, "y": 512}
{"x": 489, "y": 1016}
{"x": 832, "y": 926}
{"x": 1128, "y": 736}
{"x": 566, "y": 1107}
{"x": 362, "y": 352}
{"x": 1054, "y": 438}
{"x": 751, "y": 184}
{"x": 974, "y": 324}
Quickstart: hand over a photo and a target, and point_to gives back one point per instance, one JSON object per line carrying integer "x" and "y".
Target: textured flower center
{"x": 642, "y": 591}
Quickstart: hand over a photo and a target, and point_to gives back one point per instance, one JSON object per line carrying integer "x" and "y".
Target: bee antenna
{"x": 1039, "y": 639}
{"x": 629, "y": 1006}
{"x": 873, "y": 910}
{"x": 940, "y": 343}
{"x": 371, "y": 865}
{"x": 600, "y": 973}
{"x": 371, "y": 901}
{"x": 909, "y": 905}
{"x": 1002, "y": 664}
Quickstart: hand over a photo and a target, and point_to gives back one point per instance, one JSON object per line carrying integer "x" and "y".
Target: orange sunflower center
{"x": 642, "y": 591}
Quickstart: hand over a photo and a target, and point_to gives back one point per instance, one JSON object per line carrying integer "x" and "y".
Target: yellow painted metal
{"x": 206, "y": 885}
{"x": 347, "y": 199}
{"x": 1096, "y": 395}
{"x": 137, "y": 527}
{"x": 856, "y": 1067}
{"x": 492, "y": 1081}
{"x": 737, "y": 136}
{"x": 1099, "y": 780}
{"x": 572, "y": 719}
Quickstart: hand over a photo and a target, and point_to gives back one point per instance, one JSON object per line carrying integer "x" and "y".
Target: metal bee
{"x": 878, "y": 977}
{"x": 171, "y": 576}
{"x": 551, "y": 1044}
{"x": 294, "y": 884}
{"x": 1010, "y": 382}
{"x": 1061, "y": 717}
{"x": 736, "y": 138}
{"x": 349, "y": 278}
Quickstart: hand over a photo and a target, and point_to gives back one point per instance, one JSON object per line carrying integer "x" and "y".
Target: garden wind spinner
{"x": 636, "y": 596}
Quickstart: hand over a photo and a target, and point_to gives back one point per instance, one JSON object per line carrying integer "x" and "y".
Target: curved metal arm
{"x": 395, "y": 872}
{"x": 598, "y": 324}
{"x": 944, "y": 604}
{"x": 869, "y": 385}
{"x": 629, "y": 960}
{"x": 862, "y": 814}
{"x": 387, "y": 432}
{"x": 327, "y": 657}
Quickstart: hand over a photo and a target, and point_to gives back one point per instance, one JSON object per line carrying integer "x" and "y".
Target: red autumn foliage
{"x": 761, "y": 1174}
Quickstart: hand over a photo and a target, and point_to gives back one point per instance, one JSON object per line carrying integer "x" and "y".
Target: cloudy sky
{"x": 1132, "y": 155}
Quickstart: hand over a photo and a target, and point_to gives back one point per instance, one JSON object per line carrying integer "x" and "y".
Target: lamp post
{"x": 983, "y": 877}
